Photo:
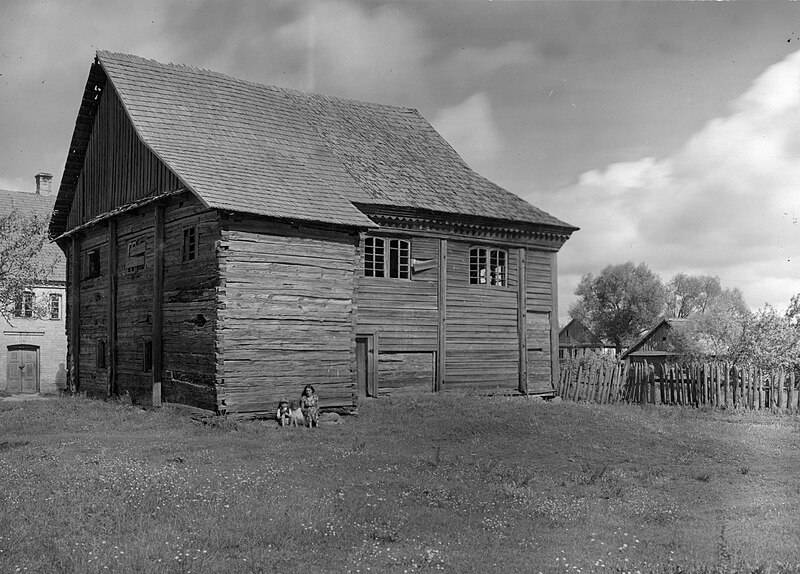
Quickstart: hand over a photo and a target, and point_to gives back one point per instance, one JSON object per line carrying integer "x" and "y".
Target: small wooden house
{"x": 654, "y": 346}
{"x": 229, "y": 242}
{"x": 33, "y": 345}
{"x": 576, "y": 340}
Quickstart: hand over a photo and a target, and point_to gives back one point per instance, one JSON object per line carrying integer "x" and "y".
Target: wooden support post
{"x": 441, "y": 355}
{"x": 760, "y": 389}
{"x": 74, "y": 314}
{"x": 728, "y": 402}
{"x": 111, "y": 345}
{"x": 781, "y": 378}
{"x": 522, "y": 325}
{"x": 792, "y": 406}
{"x": 158, "y": 291}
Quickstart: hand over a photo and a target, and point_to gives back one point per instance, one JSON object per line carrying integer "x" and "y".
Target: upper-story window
{"x": 488, "y": 266}
{"x": 92, "y": 264}
{"x": 54, "y": 306}
{"x": 189, "y": 249}
{"x": 387, "y": 258}
{"x": 23, "y": 306}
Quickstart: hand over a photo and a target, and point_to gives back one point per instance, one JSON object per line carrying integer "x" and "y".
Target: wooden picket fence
{"x": 715, "y": 385}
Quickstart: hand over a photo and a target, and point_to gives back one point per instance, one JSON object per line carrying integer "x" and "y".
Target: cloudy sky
{"x": 668, "y": 132}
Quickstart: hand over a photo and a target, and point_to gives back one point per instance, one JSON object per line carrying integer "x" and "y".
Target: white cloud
{"x": 727, "y": 203}
{"x": 474, "y": 60}
{"x": 470, "y": 128}
{"x": 17, "y": 184}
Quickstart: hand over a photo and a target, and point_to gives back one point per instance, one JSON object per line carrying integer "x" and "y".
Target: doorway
{"x": 366, "y": 379}
{"x": 22, "y": 373}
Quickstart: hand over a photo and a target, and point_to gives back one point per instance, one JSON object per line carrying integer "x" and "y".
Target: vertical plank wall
{"x": 118, "y": 168}
{"x": 482, "y": 335}
{"x": 286, "y": 314}
{"x": 539, "y": 296}
{"x": 404, "y": 314}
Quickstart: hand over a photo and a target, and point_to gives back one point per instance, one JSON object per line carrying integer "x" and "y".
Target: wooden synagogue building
{"x": 229, "y": 242}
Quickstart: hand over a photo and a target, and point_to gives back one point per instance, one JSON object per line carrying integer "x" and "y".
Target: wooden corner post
{"x": 111, "y": 347}
{"x": 555, "y": 369}
{"x": 441, "y": 355}
{"x": 74, "y": 314}
{"x": 158, "y": 291}
{"x": 522, "y": 320}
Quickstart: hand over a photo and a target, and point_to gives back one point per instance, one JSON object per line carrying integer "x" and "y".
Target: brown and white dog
{"x": 296, "y": 415}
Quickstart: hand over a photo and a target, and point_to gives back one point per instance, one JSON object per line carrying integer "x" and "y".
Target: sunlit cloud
{"x": 726, "y": 203}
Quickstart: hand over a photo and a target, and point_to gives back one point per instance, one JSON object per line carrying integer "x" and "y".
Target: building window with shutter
{"x": 488, "y": 266}
{"x": 91, "y": 267}
{"x": 389, "y": 258}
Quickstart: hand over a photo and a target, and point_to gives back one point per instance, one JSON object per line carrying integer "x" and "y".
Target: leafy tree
{"x": 688, "y": 294}
{"x": 793, "y": 312}
{"x": 720, "y": 331}
{"x": 620, "y": 302}
{"x": 22, "y": 265}
{"x": 772, "y": 340}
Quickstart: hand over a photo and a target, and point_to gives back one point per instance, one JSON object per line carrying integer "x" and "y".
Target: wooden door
{"x": 366, "y": 382}
{"x": 23, "y": 369}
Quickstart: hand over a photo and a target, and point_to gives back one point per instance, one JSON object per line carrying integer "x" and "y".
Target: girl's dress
{"x": 310, "y": 406}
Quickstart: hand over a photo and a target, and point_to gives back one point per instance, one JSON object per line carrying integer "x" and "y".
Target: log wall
{"x": 541, "y": 330}
{"x": 286, "y": 314}
{"x": 92, "y": 314}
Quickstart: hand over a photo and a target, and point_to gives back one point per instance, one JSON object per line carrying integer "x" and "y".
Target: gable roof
{"x": 584, "y": 337}
{"x": 648, "y": 334}
{"x": 42, "y": 205}
{"x": 251, "y": 148}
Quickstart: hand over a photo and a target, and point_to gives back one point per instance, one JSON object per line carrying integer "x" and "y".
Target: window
{"x": 54, "y": 307}
{"x": 387, "y": 258}
{"x": 23, "y": 306}
{"x": 189, "y": 250}
{"x": 91, "y": 266}
{"x": 147, "y": 356}
{"x": 488, "y": 266}
{"x": 100, "y": 359}
{"x": 136, "y": 250}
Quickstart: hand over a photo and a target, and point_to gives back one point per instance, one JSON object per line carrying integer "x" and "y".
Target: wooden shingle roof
{"x": 28, "y": 203}
{"x": 251, "y": 148}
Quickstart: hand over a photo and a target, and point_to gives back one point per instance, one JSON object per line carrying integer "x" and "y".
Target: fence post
{"x": 792, "y": 400}
{"x": 728, "y": 402}
{"x": 781, "y": 376}
{"x": 760, "y": 389}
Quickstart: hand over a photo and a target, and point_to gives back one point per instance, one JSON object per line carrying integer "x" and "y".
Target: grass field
{"x": 452, "y": 483}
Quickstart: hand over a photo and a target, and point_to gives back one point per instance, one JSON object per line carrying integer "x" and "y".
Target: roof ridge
{"x": 294, "y": 91}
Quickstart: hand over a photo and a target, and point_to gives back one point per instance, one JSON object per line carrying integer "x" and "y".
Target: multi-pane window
{"x": 488, "y": 266}
{"x": 387, "y": 258}
{"x": 54, "y": 306}
{"x": 23, "y": 306}
{"x": 189, "y": 251}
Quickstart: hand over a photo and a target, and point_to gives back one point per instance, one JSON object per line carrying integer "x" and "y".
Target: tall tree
{"x": 620, "y": 302}
{"x": 688, "y": 294}
{"x": 721, "y": 331}
{"x": 22, "y": 265}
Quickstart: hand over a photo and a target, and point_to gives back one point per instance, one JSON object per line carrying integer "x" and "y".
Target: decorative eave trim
{"x": 554, "y": 238}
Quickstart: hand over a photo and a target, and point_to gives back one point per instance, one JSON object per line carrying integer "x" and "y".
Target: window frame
{"x": 23, "y": 306}
{"x": 92, "y": 265}
{"x": 54, "y": 297}
{"x": 387, "y": 258}
{"x": 147, "y": 355}
{"x": 189, "y": 244}
{"x": 100, "y": 354}
{"x": 488, "y": 266}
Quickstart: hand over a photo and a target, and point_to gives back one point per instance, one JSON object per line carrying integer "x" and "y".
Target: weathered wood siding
{"x": 189, "y": 306}
{"x": 404, "y": 314}
{"x": 92, "y": 314}
{"x": 481, "y": 326}
{"x": 539, "y": 297}
{"x": 118, "y": 168}
{"x": 134, "y": 306}
{"x": 286, "y": 314}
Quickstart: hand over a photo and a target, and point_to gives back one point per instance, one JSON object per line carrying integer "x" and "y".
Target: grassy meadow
{"x": 453, "y": 483}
